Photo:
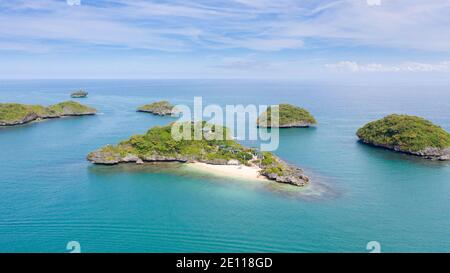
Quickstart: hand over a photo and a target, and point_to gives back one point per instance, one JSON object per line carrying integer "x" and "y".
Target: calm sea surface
{"x": 50, "y": 194}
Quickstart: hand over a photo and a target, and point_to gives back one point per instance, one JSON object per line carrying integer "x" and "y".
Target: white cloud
{"x": 402, "y": 67}
{"x": 258, "y": 25}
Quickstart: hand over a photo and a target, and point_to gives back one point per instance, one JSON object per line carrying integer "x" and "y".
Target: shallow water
{"x": 49, "y": 193}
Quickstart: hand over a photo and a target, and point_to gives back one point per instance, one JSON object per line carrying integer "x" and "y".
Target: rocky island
{"x": 79, "y": 94}
{"x": 16, "y": 114}
{"x": 290, "y": 116}
{"x": 160, "y": 108}
{"x": 407, "y": 134}
{"x": 158, "y": 145}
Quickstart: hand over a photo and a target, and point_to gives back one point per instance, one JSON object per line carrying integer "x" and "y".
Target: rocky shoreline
{"x": 13, "y": 114}
{"x": 427, "y": 153}
{"x": 292, "y": 175}
{"x": 141, "y": 149}
{"x": 299, "y": 124}
{"x": 79, "y": 94}
{"x": 407, "y": 134}
{"x": 159, "y": 108}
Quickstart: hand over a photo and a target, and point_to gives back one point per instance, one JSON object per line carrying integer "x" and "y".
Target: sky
{"x": 356, "y": 40}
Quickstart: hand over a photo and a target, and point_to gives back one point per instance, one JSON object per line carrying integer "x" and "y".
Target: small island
{"x": 157, "y": 145}
{"x": 79, "y": 94}
{"x": 160, "y": 108}
{"x": 290, "y": 116}
{"x": 16, "y": 114}
{"x": 407, "y": 134}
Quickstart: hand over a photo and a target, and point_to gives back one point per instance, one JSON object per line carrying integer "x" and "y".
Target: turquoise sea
{"x": 50, "y": 194}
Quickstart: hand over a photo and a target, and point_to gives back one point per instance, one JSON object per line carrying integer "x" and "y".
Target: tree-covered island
{"x": 290, "y": 116}
{"x": 407, "y": 134}
{"x": 158, "y": 145}
{"x": 16, "y": 114}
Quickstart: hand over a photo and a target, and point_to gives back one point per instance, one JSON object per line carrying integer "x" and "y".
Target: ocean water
{"x": 50, "y": 194}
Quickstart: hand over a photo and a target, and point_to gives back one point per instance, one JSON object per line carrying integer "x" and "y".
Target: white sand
{"x": 241, "y": 171}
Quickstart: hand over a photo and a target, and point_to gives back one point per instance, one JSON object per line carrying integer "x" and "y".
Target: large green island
{"x": 16, "y": 114}
{"x": 408, "y": 134}
{"x": 158, "y": 145}
{"x": 290, "y": 116}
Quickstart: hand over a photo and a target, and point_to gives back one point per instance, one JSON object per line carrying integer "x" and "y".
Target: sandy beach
{"x": 241, "y": 171}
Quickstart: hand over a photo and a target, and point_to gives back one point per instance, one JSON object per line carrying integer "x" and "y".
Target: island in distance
{"x": 290, "y": 116}
{"x": 407, "y": 134}
{"x": 158, "y": 145}
{"x": 79, "y": 94}
{"x": 160, "y": 108}
{"x": 16, "y": 114}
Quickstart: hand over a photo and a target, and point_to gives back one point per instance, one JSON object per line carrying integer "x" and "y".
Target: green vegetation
{"x": 271, "y": 164}
{"x": 213, "y": 146}
{"x": 70, "y": 108}
{"x": 41, "y": 111}
{"x": 10, "y": 112}
{"x": 408, "y": 133}
{"x": 159, "y": 108}
{"x": 289, "y": 116}
{"x": 15, "y": 113}
{"x": 159, "y": 141}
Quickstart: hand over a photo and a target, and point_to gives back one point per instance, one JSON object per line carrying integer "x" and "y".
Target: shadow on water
{"x": 154, "y": 168}
{"x": 317, "y": 190}
{"x": 309, "y": 129}
{"x": 393, "y": 156}
{"x": 284, "y": 133}
{"x": 296, "y": 131}
{"x": 41, "y": 122}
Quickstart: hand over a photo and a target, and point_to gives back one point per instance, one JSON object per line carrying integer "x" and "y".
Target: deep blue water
{"x": 50, "y": 194}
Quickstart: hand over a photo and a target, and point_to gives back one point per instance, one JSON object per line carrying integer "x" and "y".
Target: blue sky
{"x": 309, "y": 39}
